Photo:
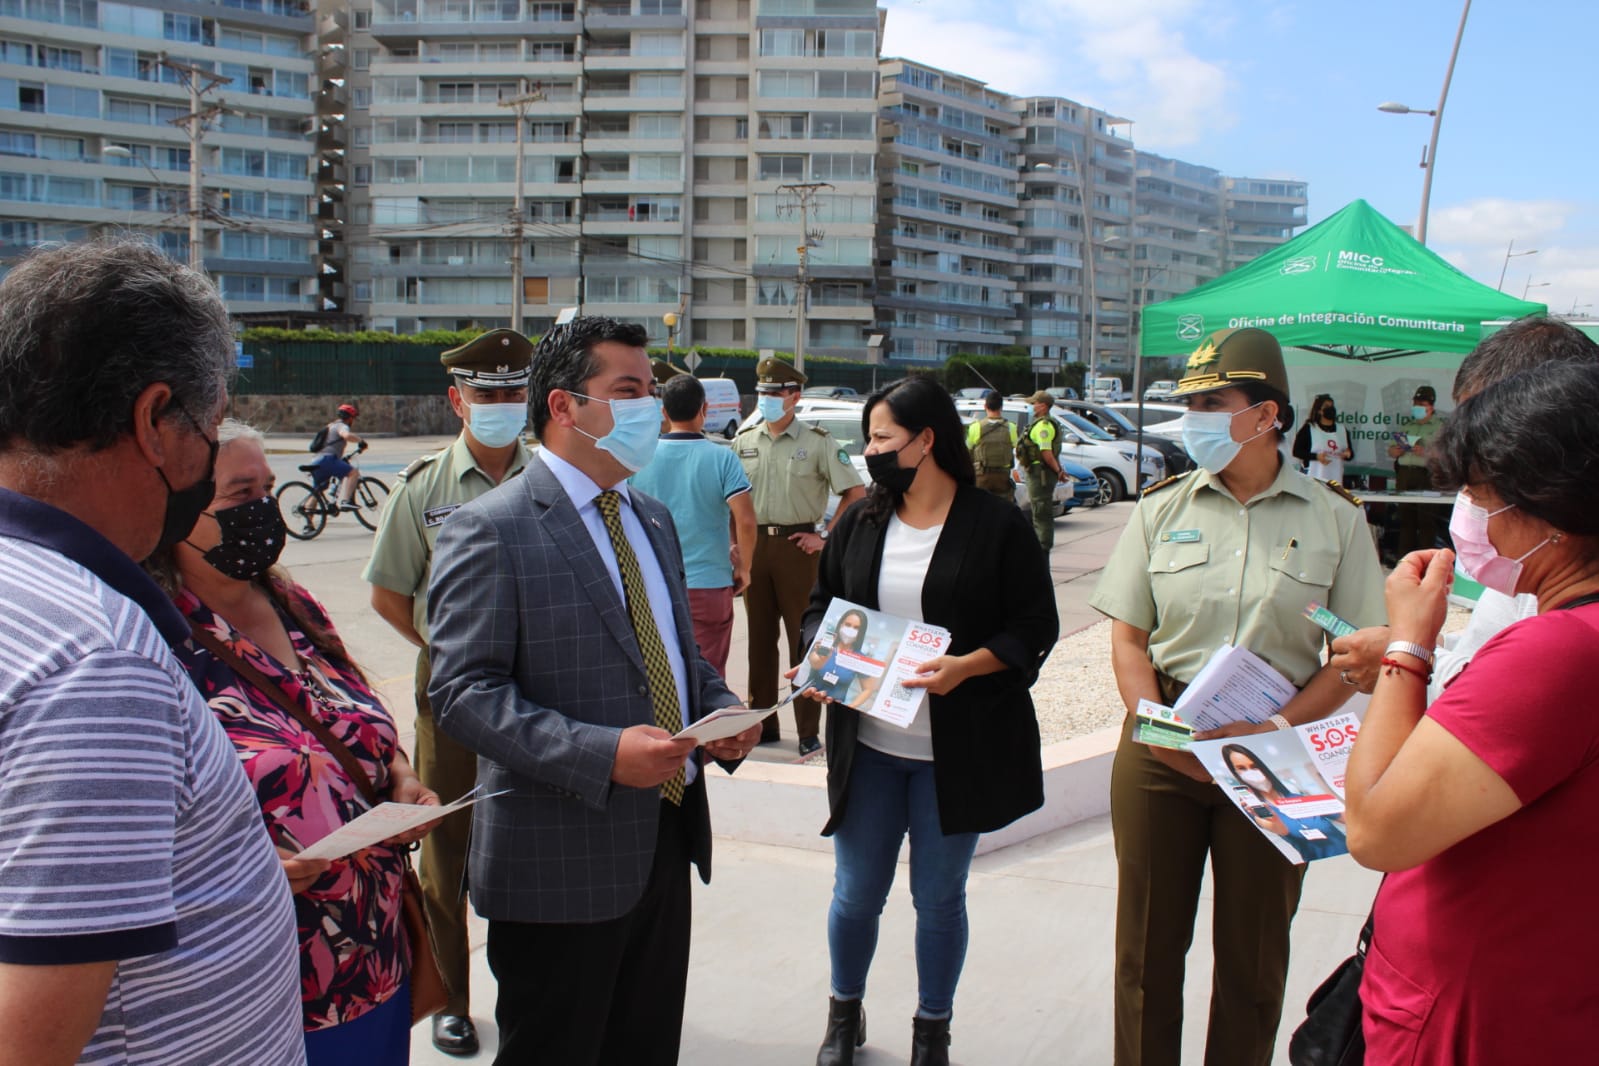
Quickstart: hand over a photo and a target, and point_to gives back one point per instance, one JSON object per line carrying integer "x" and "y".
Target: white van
{"x": 721, "y": 406}
{"x": 1106, "y": 390}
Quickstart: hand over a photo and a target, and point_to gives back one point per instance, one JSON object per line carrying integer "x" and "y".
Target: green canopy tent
{"x": 1354, "y": 285}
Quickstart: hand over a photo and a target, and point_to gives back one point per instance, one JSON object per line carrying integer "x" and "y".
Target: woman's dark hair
{"x": 1530, "y": 437}
{"x": 917, "y": 404}
{"x": 1227, "y": 753}
{"x": 1316, "y": 405}
{"x": 859, "y": 637}
{"x": 1260, "y": 392}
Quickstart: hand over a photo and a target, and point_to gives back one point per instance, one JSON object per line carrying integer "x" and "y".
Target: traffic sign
{"x": 691, "y": 359}
{"x": 1046, "y": 364}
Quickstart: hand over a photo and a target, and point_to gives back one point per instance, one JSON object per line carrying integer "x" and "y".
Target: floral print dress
{"x": 353, "y": 953}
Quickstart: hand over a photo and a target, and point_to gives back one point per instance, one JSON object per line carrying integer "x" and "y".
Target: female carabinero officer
{"x": 1229, "y": 553}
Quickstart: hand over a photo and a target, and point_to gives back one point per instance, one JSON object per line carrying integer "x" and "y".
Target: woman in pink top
{"x": 1482, "y": 806}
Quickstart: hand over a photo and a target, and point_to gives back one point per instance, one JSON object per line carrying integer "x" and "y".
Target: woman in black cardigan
{"x": 928, "y": 544}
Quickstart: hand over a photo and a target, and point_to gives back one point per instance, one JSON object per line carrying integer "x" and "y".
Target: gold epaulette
{"x": 1345, "y": 493}
{"x": 1157, "y": 486}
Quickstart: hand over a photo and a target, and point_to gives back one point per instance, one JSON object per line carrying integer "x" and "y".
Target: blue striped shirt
{"x": 129, "y": 830}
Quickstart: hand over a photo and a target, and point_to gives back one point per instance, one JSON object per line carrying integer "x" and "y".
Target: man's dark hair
{"x": 682, "y": 397}
{"x": 564, "y": 359}
{"x": 993, "y": 401}
{"x": 1526, "y": 342}
{"x": 1531, "y": 438}
{"x": 86, "y": 327}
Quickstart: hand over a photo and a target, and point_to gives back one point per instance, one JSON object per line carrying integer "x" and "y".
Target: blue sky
{"x": 1290, "y": 88}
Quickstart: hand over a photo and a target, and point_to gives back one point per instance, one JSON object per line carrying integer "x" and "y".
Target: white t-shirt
{"x": 1327, "y": 452}
{"x": 906, "y": 552}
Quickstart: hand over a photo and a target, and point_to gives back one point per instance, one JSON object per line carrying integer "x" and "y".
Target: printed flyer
{"x": 861, "y": 658}
{"x": 1289, "y": 783}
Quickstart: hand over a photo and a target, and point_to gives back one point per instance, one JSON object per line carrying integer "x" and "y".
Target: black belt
{"x": 786, "y": 531}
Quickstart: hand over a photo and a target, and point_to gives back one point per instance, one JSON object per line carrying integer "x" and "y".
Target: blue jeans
{"x": 887, "y": 796}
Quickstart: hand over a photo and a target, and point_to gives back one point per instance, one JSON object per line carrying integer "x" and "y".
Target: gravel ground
{"x": 1076, "y": 691}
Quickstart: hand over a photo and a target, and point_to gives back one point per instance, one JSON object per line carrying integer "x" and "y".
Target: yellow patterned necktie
{"x": 657, "y": 667}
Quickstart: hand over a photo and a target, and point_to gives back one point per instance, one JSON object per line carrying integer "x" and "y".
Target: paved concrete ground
{"x": 1037, "y": 985}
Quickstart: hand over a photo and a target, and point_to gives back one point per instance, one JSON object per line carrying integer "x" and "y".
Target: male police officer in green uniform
{"x": 1040, "y": 449}
{"x": 1231, "y": 553}
{"x": 1417, "y": 521}
{"x": 489, "y": 393}
{"x": 992, "y": 442}
{"x": 792, "y": 466}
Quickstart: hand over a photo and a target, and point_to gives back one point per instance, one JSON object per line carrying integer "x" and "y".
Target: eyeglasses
{"x": 214, "y": 442}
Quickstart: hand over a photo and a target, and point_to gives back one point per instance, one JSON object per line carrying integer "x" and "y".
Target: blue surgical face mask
{"x": 635, "y": 430}
{"x": 1418, "y": 412}
{"x": 1208, "y": 436}
{"x": 495, "y": 425}
{"x": 770, "y": 405}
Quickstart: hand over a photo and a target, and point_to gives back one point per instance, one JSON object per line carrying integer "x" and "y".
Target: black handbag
{"x": 1331, "y": 1033}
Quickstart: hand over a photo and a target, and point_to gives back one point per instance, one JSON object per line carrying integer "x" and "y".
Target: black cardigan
{"x": 988, "y": 583}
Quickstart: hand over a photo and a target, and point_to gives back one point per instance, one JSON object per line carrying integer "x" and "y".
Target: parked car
{"x": 1162, "y": 419}
{"x": 1115, "y": 423}
{"x": 1157, "y": 390}
{"x": 1062, "y": 392}
{"x": 973, "y": 392}
{"x": 1086, "y": 445}
{"x": 829, "y": 392}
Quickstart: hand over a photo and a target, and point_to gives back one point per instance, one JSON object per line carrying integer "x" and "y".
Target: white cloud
{"x": 1130, "y": 57}
{"x": 1555, "y": 259}
{"x": 1495, "y": 222}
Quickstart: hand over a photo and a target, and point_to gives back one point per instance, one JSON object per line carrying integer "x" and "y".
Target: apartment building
{"x": 668, "y": 148}
{"x": 93, "y": 98}
{"x": 1259, "y": 214}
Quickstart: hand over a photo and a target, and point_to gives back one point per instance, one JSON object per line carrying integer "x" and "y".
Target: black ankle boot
{"x": 930, "y": 1042}
{"x": 846, "y": 1031}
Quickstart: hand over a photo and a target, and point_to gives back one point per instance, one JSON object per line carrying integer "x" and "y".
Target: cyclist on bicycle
{"x": 330, "y": 463}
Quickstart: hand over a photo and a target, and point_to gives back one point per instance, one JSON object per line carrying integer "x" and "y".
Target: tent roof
{"x": 1353, "y": 285}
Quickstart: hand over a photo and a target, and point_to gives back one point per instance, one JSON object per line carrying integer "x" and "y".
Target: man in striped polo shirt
{"x": 144, "y": 915}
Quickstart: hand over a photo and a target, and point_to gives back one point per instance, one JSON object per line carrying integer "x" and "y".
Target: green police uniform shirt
{"x": 1196, "y": 569}
{"x": 1419, "y": 433}
{"x": 424, "y": 496}
{"x": 792, "y": 474}
{"x": 1044, "y": 433}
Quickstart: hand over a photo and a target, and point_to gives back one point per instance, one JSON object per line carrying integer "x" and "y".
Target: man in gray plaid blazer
{"x": 543, "y": 666}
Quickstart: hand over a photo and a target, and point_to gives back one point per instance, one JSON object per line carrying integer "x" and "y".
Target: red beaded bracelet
{"x": 1394, "y": 664}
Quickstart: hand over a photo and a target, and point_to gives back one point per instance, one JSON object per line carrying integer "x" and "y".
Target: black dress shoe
{"x": 807, "y": 745}
{"x": 454, "y": 1034}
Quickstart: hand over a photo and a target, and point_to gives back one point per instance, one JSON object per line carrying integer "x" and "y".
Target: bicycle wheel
{"x": 304, "y": 510}
{"x": 370, "y": 494}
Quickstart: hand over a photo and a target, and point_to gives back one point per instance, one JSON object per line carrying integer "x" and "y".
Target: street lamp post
{"x": 670, "y": 320}
{"x": 1525, "y": 289}
{"x": 1509, "y": 255}
{"x": 520, "y": 103}
{"x": 1429, "y": 161}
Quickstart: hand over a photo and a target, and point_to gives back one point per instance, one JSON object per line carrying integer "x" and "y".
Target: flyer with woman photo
{"x": 1289, "y": 783}
{"x": 861, "y": 656}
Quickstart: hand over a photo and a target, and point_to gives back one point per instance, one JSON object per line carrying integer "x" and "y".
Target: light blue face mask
{"x": 1418, "y": 412}
{"x": 1208, "y": 436}
{"x": 635, "y": 430}
{"x": 495, "y": 425}
{"x": 770, "y": 405}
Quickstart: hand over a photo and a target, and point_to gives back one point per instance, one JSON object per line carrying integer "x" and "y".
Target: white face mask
{"x": 1257, "y": 778}
{"x": 848, "y": 633}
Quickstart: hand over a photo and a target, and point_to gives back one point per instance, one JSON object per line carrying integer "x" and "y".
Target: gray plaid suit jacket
{"x": 535, "y": 667}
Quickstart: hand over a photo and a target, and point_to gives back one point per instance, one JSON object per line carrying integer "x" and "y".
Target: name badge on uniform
{"x": 799, "y": 453}
{"x": 830, "y": 678}
{"x": 1180, "y": 536}
{"x": 748, "y": 453}
{"x": 435, "y": 516}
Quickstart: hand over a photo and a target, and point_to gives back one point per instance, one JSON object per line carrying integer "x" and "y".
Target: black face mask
{"x": 253, "y": 535}
{"x": 185, "y": 506}
{"x": 1329, "y": 414}
{"x": 884, "y": 469}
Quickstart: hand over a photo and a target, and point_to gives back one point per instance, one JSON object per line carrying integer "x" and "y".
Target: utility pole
{"x": 1086, "y": 207}
{"x": 198, "y": 82}
{"x": 519, "y": 104}
{"x": 805, "y": 194}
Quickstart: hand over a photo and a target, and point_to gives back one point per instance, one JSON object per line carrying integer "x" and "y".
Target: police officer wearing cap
{"x": 1418, "y": 522}
{"x": 1041, "y": 447}
{"x": 488, "y": 392}
{"x": 792, "y": 467}
{"x": 1229, "y": 553}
